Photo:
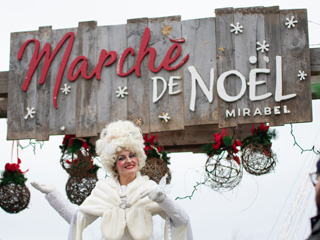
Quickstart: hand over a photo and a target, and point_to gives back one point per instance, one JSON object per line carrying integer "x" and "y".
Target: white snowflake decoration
{"x": 290, "y": 22}
{"x": 263, "y": 46}
{"x": 30, "y": 113}
{"x": 63, "y": 128}
{"x": 121, "y": 92}
{"x": 139, "y": 121}
{"x": 165, "y": 117}
{"x": 236, "y": 28}
{"x": 302, "y": 75}
{"x": 65, "y": 89}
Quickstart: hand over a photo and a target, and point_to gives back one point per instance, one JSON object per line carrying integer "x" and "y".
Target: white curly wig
{"x": 118, "y": 136}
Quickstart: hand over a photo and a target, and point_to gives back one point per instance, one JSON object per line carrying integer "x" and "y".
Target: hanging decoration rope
{"x": 77, "y": 160}
{"x": 14, "y": 194}
{"x": 257, "y": 155}
{"x": 157, "y": 160}
{"x": 223, "y": 167}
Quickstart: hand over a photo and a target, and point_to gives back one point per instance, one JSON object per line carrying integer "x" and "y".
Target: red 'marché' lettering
{"x": 47, "y": 62}
{"x": 105, "y": 59}
{"x": 143, "y": 51}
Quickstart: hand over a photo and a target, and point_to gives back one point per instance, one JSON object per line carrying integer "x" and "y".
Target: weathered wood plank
{"x": 110, "y": 107}
{"x": 18, "y": 100}
{"x": 252, "y": 21}
{"x": 272, "y": 37}
{"x": 226, "y": 61}
{"x": 86, "y": 113}
{"x": 162, "y": 30}
{"x": 296, "y": 57}
{"x": 138, "y": 87}
{"x": 43, "y": 91}
{"x": 264, "y": 26}
{"x": 4, "y": 84}
{"x": 64, "y": 115}
{"x": 3, "y": 107}
{"x": 202, "y": 54}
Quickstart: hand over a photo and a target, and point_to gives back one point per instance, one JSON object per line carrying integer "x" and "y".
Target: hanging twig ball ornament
{"x": 14, "y": 194}
{"x": 82, "y": 177}
{"x": 157, "y": 161}
{"x": 223, "y": 172}
{"x": 257, "y": 159}
{"x": 223, "y": 167}
{"x": 14, "y": 197}
{"x": 78, "y": 163}
{"x": 79, "y": 188}
{"x": 155, "y": 169}
{"x": 257, "y": 156}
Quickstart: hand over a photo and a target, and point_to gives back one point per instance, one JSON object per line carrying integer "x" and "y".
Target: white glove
{"x": 42, "y": 187}
{"x": 154, "y": 193}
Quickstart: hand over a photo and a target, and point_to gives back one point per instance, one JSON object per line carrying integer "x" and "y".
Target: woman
{"x": 125, "y": 201}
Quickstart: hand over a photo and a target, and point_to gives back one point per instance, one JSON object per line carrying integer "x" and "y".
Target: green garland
{"x": 13, "y": 174}
{"x": 12, "y": 177}
{"x": 71, "y": 144}
{"x": 162, "y": 154}
{"x": 152, "y": 149}
{"x": 227, "y": 142}
{"x": 223, "y": 142}
{"x": 260, "y": 135}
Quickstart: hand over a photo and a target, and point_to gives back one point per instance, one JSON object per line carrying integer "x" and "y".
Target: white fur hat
{"x": 117, "y": 136}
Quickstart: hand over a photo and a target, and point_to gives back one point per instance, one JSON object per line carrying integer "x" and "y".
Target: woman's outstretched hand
{"x": 155, "y": 194}
{"x": 43, "y": 187}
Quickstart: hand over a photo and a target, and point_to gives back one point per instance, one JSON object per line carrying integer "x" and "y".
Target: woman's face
{"x": 126, "y": 164}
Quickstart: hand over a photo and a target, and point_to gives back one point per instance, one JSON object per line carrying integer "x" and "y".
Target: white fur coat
{"x": 132, "y": 223}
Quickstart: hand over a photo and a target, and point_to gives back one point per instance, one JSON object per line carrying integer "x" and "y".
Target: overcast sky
{"x": 273, "y": 206}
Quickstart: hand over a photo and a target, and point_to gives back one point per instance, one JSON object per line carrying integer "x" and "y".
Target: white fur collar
{"x": 104, "y": 202}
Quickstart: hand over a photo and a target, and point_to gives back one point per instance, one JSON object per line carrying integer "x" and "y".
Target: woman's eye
{"x": 120, "y": 158}
{"x": 132, "y": 155}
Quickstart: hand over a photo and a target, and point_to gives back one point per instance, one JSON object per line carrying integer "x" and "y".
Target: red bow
{"x": 149, "y": 140}
{"x": 147, "y": 147}
{"x": 262, "y": 128}
{"x": 234, "y": 146}
{"x": 11, "y": 167}
{"x": 70, "y": 138}
{"x": 218, "y": 139}
{"x": 85, "y": 145}
{"x": 67, "y": 138}
{"x": 237, "y": 142}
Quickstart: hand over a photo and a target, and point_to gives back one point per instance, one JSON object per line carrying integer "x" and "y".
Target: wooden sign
{"x": 243, "y": 66}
